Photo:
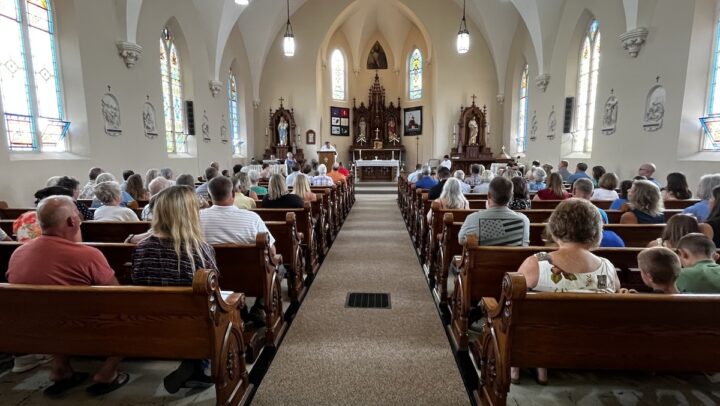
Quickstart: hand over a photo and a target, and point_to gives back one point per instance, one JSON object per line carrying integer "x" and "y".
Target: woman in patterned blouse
{"x": 169, "y": 256}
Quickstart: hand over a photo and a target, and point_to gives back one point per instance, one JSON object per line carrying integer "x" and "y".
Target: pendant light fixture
{"x": 463, "y": 38}
{"x": 289, "y": 38}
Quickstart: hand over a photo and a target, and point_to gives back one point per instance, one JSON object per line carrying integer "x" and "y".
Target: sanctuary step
{"x": 376, "y": 188}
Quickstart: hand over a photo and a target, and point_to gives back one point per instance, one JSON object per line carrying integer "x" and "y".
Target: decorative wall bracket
{"x": 542, "y": 82}
{"x": 256, "y": 103}
{"x": 500, "y": 98}
{"x": 130, "y": 53}
{"x": 633, "y": 40}
{"x": 215, "y": 87}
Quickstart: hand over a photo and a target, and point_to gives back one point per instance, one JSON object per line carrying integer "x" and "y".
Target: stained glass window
{"x": 522, "y": 134}
{"x": 337, "y": 67}
{"x": 238, "y": 142}
{"x": 711, "y": 123}
{"x": 415, "y": 71}
{"x": 586, "y": 89}
{"x": 172, "y": 95}
{"x": 29, "y": 77}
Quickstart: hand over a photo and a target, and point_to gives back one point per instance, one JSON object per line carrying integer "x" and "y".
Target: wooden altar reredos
{"x": 273, "y": 146}
{"x": 376, "y": 131}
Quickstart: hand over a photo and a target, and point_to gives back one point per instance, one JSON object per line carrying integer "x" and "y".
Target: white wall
{"x": 90, "y": 62}
{"x": 668, "y": 53}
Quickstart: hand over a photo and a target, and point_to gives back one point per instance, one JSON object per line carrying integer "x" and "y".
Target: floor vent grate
{"x": 368, "y": 300}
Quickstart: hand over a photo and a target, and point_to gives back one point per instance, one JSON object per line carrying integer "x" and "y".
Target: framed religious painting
{"x": 340, "y": 121}
{"x": 413, "y": 120}
{"x": 310, "y": 137}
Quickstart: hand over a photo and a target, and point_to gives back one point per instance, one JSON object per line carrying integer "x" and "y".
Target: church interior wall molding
{"x": 542, "y": 81}
{"x": 633, "y": 40}
{"x": 130, "y": 52}
{"x": 215, "y": 87}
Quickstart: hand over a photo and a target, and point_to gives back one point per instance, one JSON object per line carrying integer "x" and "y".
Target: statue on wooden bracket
{"x": 283, "y": 132}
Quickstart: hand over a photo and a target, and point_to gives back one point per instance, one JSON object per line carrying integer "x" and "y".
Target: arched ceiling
{"x": 262, "y": 20}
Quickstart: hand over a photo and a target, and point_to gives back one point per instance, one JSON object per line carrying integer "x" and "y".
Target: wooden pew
{"x": 287, "y": 244}
{"x": 482, "y": 270}
{"x": 139, "y": 203}
{"x": 111, "y": 231}
{"x": 583, "y": 331}
{"x": 234, "y": 262}
{"x": 305, "y": 225}
{"x": 143, "y": 322}
{"x": 7, "y": 227}
{"x": 10, "y": 213}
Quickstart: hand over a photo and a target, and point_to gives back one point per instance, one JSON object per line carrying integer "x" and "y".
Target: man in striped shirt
{"x": 322, "y": 179}
{"x": 497, "y": 225}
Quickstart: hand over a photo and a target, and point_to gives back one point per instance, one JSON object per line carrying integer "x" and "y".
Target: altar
{"x": 376, "y": 134}
{"x": 384, "y": 164}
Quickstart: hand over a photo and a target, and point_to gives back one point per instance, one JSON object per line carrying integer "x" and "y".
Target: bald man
{"x": 57, "y": 258}
{"x": 647, "y": 170}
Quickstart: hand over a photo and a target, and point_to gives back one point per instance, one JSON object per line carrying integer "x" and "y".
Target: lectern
{"x": 327, "y": 158}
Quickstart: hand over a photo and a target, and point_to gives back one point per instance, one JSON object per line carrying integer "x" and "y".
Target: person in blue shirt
{"x": 583, "y": 189}
{"x": 701, "y": 209}
{"x": 579, "y": 173}
{"x": 624, "y": 187}
{"x": 426, "y": 181}
{"x": 610, "y": 239}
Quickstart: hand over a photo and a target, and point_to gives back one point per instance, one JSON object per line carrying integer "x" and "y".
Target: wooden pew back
{"x": 587, "y": 331}
{"x": 131, "y": 322}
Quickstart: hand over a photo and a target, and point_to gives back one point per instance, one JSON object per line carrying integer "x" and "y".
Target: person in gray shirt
{"x": 497, "y": 225}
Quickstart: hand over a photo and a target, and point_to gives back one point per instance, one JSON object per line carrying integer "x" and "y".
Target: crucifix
{"x": 473, "y": 98}
{"x": 281, "y": 101}
{"x": 377, "y": 133}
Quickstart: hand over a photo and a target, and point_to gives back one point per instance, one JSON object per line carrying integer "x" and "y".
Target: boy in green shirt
{"x": 700, "y": 273}
{"x": 659, "y": 268}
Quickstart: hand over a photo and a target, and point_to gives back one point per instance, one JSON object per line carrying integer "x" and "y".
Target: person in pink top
{"x": 57, "y": 258}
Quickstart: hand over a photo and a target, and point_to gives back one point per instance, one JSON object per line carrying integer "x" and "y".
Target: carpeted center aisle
{"x": 335, "y": 355}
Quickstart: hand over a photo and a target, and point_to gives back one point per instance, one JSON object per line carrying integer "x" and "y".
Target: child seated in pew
{"x": 700, "y": 272}
{"x": 659, "y": 269}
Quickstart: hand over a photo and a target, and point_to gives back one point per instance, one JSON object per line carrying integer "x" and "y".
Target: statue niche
{"x": 281, "y": 136}
{"x": 472, "y": 142}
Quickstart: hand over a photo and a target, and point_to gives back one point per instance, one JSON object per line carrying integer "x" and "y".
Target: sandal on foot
{"x": 101, "y": 388}
{"x": 60, "y": 387}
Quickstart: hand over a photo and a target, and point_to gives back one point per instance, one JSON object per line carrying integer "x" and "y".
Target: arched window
{"x": 522, "y": 134}
{"x": 337, "y": 66}
{"x": 587, "y": 89}
{"x": 415, "y": 71}
{"x": 29, "y": 77}
{"x": 239, "y": 144}
{"x": 172, "y": 95}
{"x": 711, "y": 123}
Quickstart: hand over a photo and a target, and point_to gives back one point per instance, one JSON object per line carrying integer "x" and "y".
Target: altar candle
{"x": 393, "y": 156}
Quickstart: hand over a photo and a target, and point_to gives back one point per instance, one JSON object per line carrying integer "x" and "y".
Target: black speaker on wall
{"x": 190, "y": 116}
{"x": 569, "y": 115}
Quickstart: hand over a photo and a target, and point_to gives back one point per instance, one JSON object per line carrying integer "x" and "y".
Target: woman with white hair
{"x": 538, "y": 180}
{"x": 460, "y": 175}
{"x": 484, "y": 185}
{"x": 125, "y": 201}
{"x": 108, "y": 193}
{"x": 701, "y": 209}
{"x": 322, "y": 179}
{"x": 258, "y": 190}
{"x": 451, "y": 197}
{"x": 278, "y": 196}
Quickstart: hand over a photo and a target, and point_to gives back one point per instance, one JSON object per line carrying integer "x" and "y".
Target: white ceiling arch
{"x": 261, "y": 21}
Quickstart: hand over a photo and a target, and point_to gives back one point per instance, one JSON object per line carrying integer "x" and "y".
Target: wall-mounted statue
{"x": 283, "y": 131}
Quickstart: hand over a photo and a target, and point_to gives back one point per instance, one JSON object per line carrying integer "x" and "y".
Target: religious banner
{"x": 340, "y": 121}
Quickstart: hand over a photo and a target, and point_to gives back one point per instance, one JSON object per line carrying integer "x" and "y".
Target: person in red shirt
{"x": 57, "y": 258}
{"x": 343, "y": 170}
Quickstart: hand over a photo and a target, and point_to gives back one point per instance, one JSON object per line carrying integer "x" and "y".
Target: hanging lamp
{"x": 463, "y": 37}
{"x": 289, "y": 38}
